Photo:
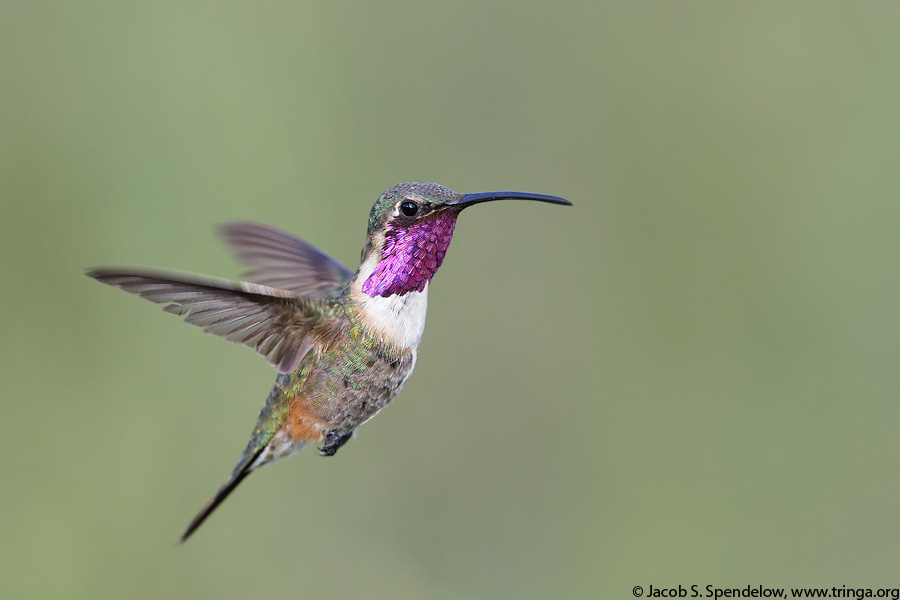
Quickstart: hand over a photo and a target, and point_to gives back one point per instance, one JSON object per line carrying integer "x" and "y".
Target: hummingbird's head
{"x": 410, "y": 228}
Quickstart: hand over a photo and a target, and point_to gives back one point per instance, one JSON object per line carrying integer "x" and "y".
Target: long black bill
{"x": 470, "y": 199}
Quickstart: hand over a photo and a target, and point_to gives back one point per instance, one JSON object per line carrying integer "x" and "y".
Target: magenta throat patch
{"x": 411, "y": 256}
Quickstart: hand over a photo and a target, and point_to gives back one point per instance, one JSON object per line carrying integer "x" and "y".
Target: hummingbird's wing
{"x": 284, "y": 261}
{"x": 275, "y": 323}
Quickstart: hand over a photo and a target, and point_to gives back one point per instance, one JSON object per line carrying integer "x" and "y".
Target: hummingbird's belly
{"x": 346, "y": 380}
{"x": 358, "y": 388}
{"x": 361, "y": 374}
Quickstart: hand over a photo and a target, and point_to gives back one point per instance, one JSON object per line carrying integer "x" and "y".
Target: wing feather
{"x": 276, "y": 323}
{"x": 284, "y": 261}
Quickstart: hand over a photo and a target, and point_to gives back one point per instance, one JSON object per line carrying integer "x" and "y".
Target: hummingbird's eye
{"x": 409, "y": 208}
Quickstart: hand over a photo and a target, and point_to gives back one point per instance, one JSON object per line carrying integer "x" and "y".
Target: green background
{"x": 690, "y": 377}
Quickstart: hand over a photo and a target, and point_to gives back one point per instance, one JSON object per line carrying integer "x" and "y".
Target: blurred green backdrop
{"x": 691, "y": 377}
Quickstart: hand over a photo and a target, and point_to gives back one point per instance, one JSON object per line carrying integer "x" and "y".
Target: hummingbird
{"x": 343, "y": 343}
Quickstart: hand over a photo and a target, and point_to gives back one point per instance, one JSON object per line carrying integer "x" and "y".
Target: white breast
{"x": 399, "y": 320}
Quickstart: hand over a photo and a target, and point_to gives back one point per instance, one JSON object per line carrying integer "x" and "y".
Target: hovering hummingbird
{"x": 343, "y": 343}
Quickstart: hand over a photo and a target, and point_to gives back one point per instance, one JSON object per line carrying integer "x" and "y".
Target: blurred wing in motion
{"x": 284, "y": 261}
{"x": 275, "y": 323}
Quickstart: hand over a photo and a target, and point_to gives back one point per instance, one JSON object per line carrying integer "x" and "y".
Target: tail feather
{"x": 224, "y": 491}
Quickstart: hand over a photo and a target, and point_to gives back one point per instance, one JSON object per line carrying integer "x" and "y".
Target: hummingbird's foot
{"x": 333, "y": 441}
